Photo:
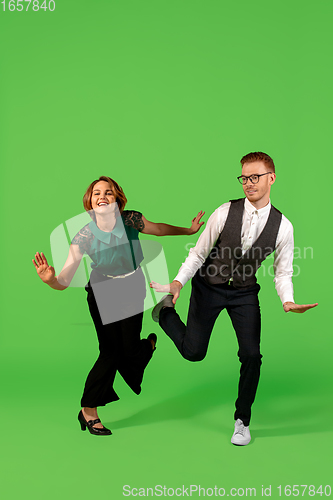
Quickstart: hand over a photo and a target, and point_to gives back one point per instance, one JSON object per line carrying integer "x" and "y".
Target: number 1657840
{"x": 24, "y": 5}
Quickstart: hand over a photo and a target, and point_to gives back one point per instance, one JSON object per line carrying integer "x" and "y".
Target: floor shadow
{"x": 290, "y": 430}
{"x": 183, "y": 406}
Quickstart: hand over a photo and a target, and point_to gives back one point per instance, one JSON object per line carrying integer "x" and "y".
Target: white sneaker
{"x": 242, "y": 435}
{"x": 165, "y": 301}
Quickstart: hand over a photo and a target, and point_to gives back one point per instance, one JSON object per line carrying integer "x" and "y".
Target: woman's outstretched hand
{"x": 173, "y": 288}
{"x": 196, "y": 224}
{"x": 44, "y": 271}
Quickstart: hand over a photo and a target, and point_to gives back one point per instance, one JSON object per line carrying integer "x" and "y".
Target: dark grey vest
{"x": 225, "y": 260}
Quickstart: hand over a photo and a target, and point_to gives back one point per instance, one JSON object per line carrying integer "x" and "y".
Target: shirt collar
{"x": 105, "y": 236}
{"x": 261, "y": 211}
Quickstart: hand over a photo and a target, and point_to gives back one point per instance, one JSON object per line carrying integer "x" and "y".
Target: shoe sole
{"x": 157, "y": 309}
{"x": 240, "y": 444}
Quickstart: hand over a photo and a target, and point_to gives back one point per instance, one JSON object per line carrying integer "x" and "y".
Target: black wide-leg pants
{"x": 120, "y": 346}
{"x": 191, "y": 340}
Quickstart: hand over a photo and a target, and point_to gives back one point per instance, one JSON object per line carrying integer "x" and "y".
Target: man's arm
{"x": 198, "y": 254}
{"x": 283, "y": 262}
{"x": 283, "y": 269}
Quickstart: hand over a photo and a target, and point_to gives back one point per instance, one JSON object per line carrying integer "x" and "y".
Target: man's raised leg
{"x": 192, "y": 339}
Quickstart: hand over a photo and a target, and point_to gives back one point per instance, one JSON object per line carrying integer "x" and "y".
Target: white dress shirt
{"x": 253, "y": 223}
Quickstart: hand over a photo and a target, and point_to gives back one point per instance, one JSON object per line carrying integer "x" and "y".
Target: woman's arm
{"x": 47, "y": 273}
{"x": 161, "y": 229}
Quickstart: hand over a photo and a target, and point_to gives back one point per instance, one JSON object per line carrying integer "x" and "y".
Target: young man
{"x": 239, "y": 235}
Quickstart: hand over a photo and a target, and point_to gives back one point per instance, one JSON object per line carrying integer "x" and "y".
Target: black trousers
{"x": 206, "y": 303}
{"x": 120, "y": 346}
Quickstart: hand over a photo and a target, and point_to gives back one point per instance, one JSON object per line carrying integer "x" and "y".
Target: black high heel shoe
{"x": 93, "y": 430}
{"x": 153, "y": 337}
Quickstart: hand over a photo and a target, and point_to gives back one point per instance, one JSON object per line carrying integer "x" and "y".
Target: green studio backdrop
{"x": 164, "y": 97}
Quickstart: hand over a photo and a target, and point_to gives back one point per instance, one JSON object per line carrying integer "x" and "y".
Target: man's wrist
{"x": 178, "y": 283}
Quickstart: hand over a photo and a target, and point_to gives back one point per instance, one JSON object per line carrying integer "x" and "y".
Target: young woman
{"x": 115, "y": 292}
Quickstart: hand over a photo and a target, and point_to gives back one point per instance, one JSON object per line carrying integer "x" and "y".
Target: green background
{"x": 165, "y": 97}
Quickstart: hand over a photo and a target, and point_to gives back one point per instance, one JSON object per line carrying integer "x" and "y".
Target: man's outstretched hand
{"x": 173, "y": 288}
{"x": 296, "y": 308}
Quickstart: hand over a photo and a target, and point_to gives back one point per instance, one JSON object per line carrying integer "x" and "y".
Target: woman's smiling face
{"x": 102, "y": 197}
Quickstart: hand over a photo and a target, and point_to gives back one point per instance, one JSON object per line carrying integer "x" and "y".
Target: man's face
{"x": 261, "y": 190}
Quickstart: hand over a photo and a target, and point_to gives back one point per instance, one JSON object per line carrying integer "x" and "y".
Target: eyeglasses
{"x": 253, "y": 178}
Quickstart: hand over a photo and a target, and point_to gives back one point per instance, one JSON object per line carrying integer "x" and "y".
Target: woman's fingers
{"x": 197, "y": 219}
{"x": 39, "y": 261}
{"x": 44, "y": 259}
{"x": 38, "y": 258}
